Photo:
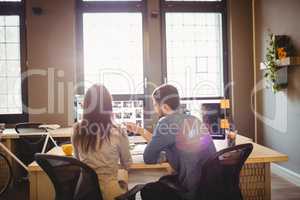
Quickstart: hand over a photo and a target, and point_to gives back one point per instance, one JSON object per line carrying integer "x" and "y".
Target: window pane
{"x": 2, "y": 34}
{"x": 3, "y": 102}
{"x": 2, "y": 68}
{"x": 12, "y": 34}
{"x": 2, "y": 21}
{"x": 13, "y": 51}
{"x": 13, "y": 85}
{"x": 193, "y": 0}
{"x": 113, "y": 51}
{"x": 13, "y": 68}
{"x": 195, "y": 53}
{"x": 3, "y": 85}
{"x": 10, "y": 67}
{"x": 2, "y": 51}
{"x": 12, "y": 20}
{"x": 14, "y": 103}
{"x": 111, "y": 0}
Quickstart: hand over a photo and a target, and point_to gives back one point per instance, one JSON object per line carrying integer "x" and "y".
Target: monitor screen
{"x": 211, "y": 116}
{"x": 129, "y": 111}
{"x": 123, "y": 111}
{"x": 209, "y": 112}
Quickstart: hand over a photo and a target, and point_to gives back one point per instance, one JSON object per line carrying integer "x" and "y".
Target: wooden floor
{"x": 281, "y": 189}
{"x": 284, "y": 190}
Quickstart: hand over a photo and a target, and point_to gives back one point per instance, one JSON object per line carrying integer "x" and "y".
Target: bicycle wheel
{"x": 5, "y": 174}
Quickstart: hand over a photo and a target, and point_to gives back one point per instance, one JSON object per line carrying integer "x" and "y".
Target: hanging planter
{"x": 278, "y": 57}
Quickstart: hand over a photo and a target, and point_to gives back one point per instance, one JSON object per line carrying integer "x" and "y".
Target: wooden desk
{"x": 255, "y": 176}
{"x": 137, "y": 164}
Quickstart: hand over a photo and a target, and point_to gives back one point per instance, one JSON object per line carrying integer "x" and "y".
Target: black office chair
{"x": 131, "y": 194}
{"x": 219, "y": 179}
{"x": 72, "y": 179}
{"x": 5, "y": 174}
{"x": 221, "y": 174}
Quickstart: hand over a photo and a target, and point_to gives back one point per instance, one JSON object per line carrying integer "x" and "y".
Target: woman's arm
{"x": 125, "y": 156}
{"x": 75, "y": 132}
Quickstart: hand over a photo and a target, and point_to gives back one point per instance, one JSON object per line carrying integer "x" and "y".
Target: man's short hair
{"x": 167, "y": 94}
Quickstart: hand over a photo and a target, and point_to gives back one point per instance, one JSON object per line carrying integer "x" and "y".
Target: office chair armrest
{"x": 130, "y": 195}
{"x": 169, "y": 178}
{"x": 172, "y": 182}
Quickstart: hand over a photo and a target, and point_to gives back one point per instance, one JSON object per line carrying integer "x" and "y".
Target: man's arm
{"x": 161, "y": 140}
{"x": 139, "y": 130}
{"x": 145, "y": 134}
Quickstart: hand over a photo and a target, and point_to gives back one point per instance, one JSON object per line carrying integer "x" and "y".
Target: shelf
{"x": 289, "y": 61}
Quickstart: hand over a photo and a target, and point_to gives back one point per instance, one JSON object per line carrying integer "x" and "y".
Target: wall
{"x": 281, "y": 112}
{"x": 51, "y": 50}
{"x": 241, "y": 64}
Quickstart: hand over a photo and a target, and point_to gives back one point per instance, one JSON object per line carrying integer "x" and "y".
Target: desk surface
{"x": 58, "y": 133}
{"x": 10, "y": 133}
{"x": 138, "y": 162}
{"x": 260, "y": 154}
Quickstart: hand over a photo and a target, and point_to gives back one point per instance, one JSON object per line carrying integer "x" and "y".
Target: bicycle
{"x": 6, "y": 174}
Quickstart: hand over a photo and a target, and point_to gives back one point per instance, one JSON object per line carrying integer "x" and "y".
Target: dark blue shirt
{"x": 186, "y": 142}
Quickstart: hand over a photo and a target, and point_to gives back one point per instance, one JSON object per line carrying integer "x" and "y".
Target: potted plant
{"x": 279, "y": 48}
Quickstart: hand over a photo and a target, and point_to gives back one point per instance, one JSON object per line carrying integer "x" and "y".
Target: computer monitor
{"x": 124, "y": 110}
{"x": 129, "y": 111}
{"x": 209, "y": 112}
{"x": 211, "y": 116}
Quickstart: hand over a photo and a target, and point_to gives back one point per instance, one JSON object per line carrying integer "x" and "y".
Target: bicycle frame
{"x": 10, "y": 174}
{"x": 13, "y": 156}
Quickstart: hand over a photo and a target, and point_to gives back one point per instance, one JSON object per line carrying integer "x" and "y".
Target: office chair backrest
{"x": 220, "y": 176}
{"x": 72, "y": 179}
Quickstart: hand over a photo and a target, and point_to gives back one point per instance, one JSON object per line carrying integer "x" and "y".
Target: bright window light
{"x": 113, "y": 51}
{"x": 193, "y": 0}
{"x": 195, "y": 53}
{"x": 10, "y": 65}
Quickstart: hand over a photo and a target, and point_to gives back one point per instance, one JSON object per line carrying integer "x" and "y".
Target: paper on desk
{"x": 138, "y": 149}
{"x": 50, "y": 126}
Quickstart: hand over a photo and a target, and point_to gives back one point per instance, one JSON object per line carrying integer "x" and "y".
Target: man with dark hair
{"x": 184, "y": 138}
{"x": 167, "y": 94}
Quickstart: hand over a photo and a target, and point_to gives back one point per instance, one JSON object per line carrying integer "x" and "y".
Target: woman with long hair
{"x": 100, "y": 143}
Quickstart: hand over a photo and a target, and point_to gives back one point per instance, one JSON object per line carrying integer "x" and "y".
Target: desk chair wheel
{"x": 5, "y": 174}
